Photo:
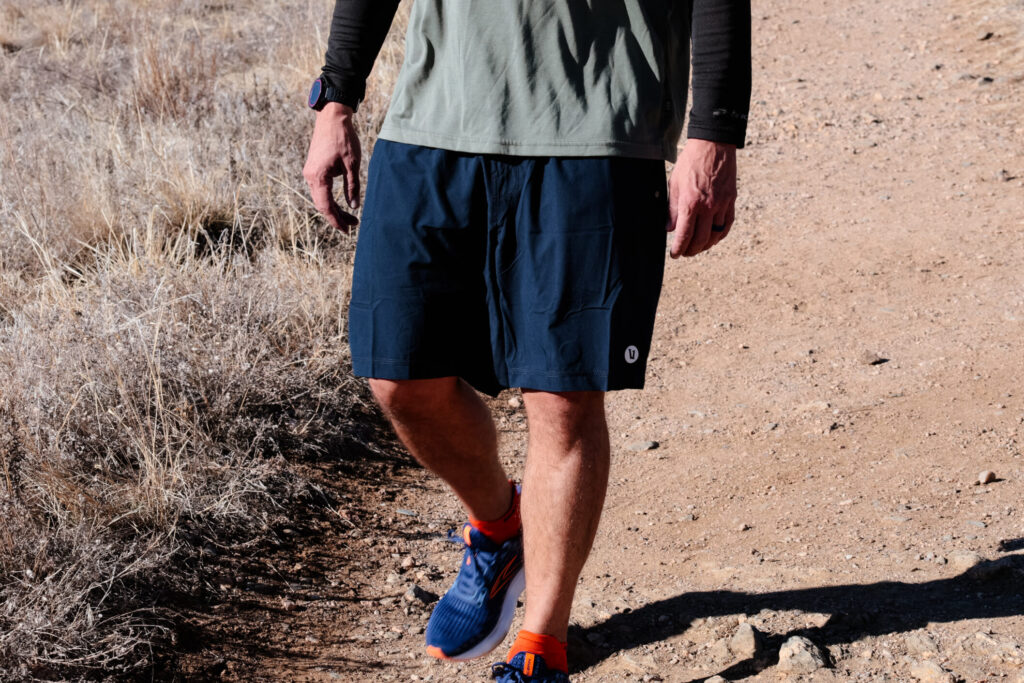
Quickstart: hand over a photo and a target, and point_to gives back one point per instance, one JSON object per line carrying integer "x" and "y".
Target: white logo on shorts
{"x": 632, "y": 354}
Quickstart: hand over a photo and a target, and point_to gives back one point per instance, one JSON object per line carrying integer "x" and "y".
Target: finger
{"x": 717, "y": 228}
{"x": 352, "y": 189}
{"x": 725, "y": 220}
{"x": 320, "y": 190}
{"x": 343, "y": 219}
{"x": 684, "y": 229}
{"x": 701, "y": 234}
{"x": 673, "y": 213}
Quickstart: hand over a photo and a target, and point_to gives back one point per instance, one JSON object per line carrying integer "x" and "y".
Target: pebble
{"x": 643, "y": 446}
{"x": 416, "y": 594}
{"x": 515, "y": 402}
{"x": 715, "y": 679}
{"x": 287, "y": 605}
{"x": 872, "y": 358}
{"x": 800, "y": 655}
{"x": 407, "y": 513}
{"x": 408, "y": 562}
{"x": 974, "y": 522}
{"x": 986, "y": 477}
{"x": 929, "y": 672}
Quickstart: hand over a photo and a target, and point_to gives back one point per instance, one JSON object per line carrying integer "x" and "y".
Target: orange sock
{"x": 548, "y": 647}
{"x": 505, "y": 527}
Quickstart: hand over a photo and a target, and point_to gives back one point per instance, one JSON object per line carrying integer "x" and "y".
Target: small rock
{"x": 929, "y": 672}
{"x": 515, "y": 402}
{"x": 287, "y": 605}
{"x": 408, "y": 562}
{"x": 986, "y": 477}
{"x": 974, "y": 522}
{"x": 407, "y": 513}
{"x": 415, "y": 630}
{"x": 872, "y": 358}
{"x": 744, "y": 527}
{"x": 964, "y": 560}
{"x": 393, "y": 578}
{"x": 715, "y": 679}
{"x": 719, "y": 652}
{"x": 800, "y": 655}
{"x": 745, "y": 643}
{"x": 921, "y": 645}
{"x": 985, "y": 35}
{"x": 415, "y": 594}
{"x": 643, "y": 446}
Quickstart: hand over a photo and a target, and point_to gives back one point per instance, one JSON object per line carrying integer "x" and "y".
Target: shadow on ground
{"x": 989, "y": 590}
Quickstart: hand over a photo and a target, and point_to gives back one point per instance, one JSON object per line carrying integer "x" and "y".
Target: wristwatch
{"x": 323, "y": 92}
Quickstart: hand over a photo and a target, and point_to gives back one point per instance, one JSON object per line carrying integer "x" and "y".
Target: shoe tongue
{"x": 522, "y": 661}
{"x": 477, "y": 539}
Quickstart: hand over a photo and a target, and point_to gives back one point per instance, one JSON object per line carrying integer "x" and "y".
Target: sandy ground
{"x": 825, "y": 388}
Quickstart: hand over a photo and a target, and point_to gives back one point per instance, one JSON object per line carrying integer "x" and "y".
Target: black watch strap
{"x": 334, "y": 94}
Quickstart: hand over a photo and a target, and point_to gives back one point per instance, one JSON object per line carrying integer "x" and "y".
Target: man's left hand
{"x": 702, "y": 196}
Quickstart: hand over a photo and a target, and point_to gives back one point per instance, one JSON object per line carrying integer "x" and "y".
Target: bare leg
{"x": 449, "y": 430}
{"x": 563, "y": 493}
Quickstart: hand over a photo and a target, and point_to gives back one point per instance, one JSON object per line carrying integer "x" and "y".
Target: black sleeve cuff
{"x": 347, "y": 91}
{"x": 726, "y": 127}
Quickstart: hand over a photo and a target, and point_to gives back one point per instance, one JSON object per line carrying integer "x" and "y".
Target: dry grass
{"x": 172, "y": 313}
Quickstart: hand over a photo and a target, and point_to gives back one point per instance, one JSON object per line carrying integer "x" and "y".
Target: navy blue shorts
{"x": 534, "y": 272}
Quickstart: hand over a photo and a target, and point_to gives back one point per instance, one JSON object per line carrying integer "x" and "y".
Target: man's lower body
{"x": 486, "y": 272}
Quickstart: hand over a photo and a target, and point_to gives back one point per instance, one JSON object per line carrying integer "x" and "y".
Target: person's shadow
{"x": 993, "y": 588}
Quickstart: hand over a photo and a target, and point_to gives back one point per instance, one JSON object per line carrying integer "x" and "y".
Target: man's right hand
{"x": 334, "y": 151}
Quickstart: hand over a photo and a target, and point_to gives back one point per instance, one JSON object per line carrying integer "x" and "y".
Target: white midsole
{"x": 504, "y": 623}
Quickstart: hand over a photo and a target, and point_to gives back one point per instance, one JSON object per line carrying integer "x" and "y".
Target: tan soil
{"x": 800, "y": 483}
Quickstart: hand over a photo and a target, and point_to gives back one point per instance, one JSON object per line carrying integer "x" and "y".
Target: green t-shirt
{"x": 544, "y": 77}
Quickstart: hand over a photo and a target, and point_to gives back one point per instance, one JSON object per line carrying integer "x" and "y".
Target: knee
{"x": 409, "y": 396}
{"x": 567, "y": 409}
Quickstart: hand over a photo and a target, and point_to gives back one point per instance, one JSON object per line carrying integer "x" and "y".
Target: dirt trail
{"x": 825, "y": 387}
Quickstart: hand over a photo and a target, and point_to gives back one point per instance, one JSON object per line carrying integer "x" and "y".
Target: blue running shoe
{"x": 526, "y": 667}
{"x": 474, "y": 616}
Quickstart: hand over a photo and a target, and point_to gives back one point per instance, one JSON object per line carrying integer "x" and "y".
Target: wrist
{"x": 336, "y": 110}
{"x": 701, "y": 142}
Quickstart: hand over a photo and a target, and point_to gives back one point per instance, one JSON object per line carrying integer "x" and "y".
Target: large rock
{"x": 746, "y": 642}
{"x": 800, "y": 655}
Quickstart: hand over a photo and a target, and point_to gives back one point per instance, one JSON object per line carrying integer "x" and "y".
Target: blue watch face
{"x": 314, "y": 93}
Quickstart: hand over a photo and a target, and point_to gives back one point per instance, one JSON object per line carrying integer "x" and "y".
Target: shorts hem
{"x": 397, "y": 370}
{"x": 570, "y": 381}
